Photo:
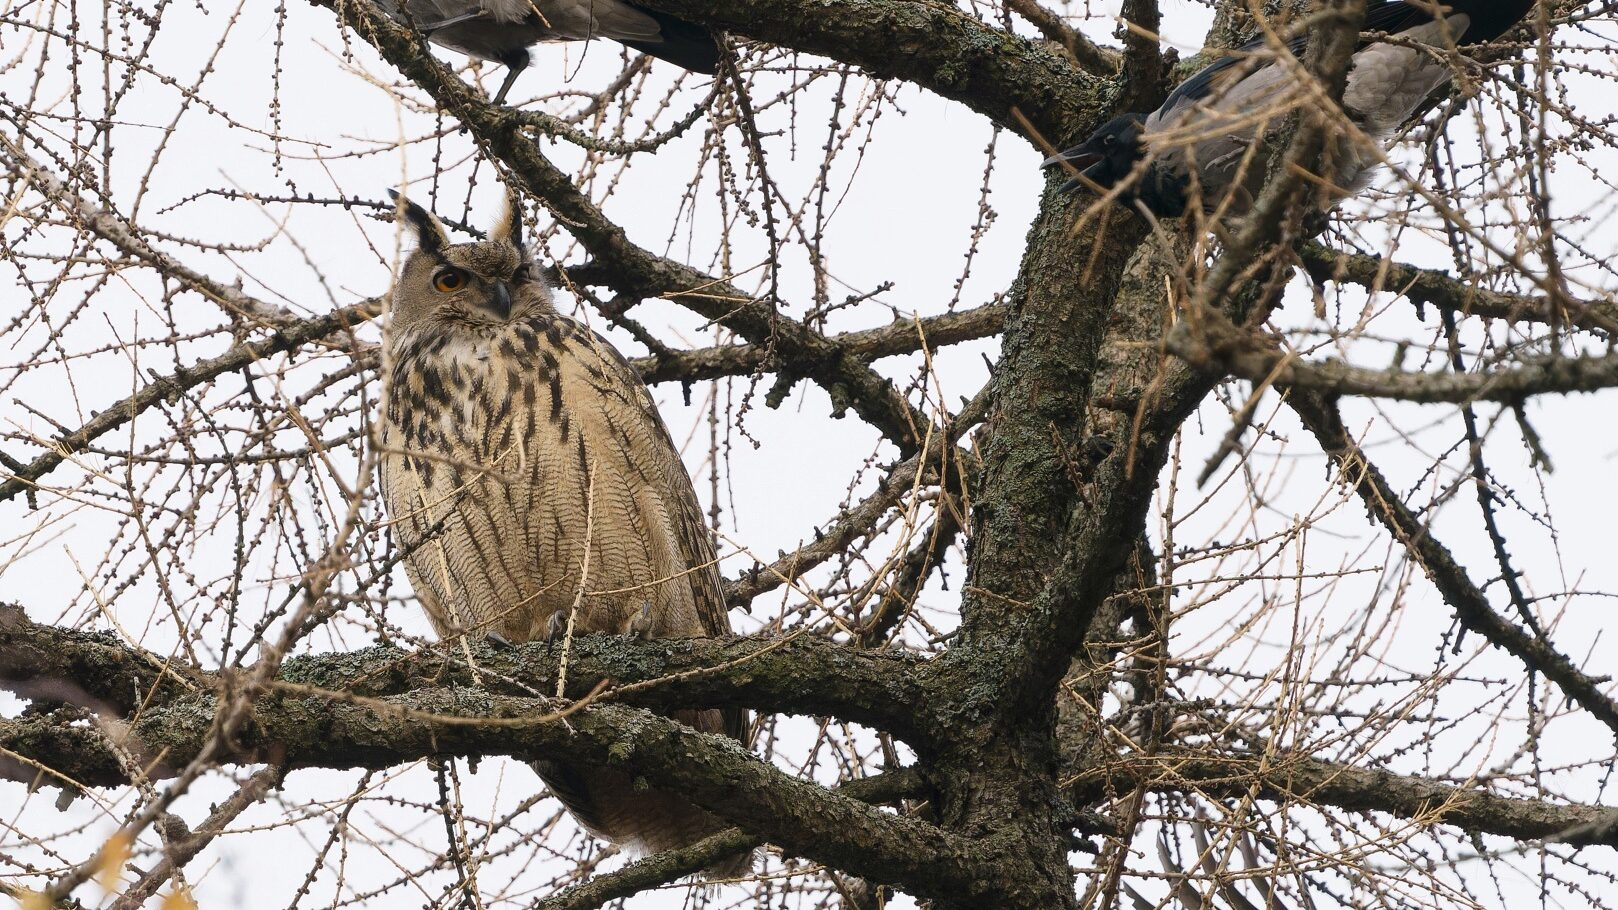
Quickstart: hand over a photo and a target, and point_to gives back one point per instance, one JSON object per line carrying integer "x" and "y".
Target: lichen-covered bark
{"x": 802, "y": 675}
{"x": 987, "y": 69}
{"x": 1038, "y": 447}
{"x": 999, "y": 774}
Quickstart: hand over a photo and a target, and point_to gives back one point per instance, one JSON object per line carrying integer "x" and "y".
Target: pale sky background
{"x": 905, "y": 216}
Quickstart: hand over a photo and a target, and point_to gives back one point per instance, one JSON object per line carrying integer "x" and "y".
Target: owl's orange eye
{"x": 449, "y": 280}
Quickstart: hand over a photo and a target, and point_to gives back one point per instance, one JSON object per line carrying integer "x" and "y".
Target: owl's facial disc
{"x": 477, "y": 280}
{"x": 474, "y": 293}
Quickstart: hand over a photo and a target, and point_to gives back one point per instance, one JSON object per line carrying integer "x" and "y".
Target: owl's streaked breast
{"x": 507, "y": 448}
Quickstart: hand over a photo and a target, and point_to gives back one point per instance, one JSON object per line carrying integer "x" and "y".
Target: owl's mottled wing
{"x": 675, "y": 499}
{"x": 677, "y": 504}
{"x": 706, "y": 585}
{"x": 696, "y": 543}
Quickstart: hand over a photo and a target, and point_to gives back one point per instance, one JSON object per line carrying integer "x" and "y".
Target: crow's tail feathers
{"x": 684, "y": 44}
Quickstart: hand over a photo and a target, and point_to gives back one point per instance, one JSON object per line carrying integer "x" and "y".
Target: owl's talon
{"x": 641, "y": 625}
{"x": 555, "y": 625}
{"x": 497, "y": 641}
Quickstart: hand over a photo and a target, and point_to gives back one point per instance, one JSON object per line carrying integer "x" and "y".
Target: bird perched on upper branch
{"x": 1201, "y": 143}
{"x": 537, "y": 492}
{"x": 503, "y": 30}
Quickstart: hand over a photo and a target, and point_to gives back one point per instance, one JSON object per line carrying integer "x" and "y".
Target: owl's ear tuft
{"x": 509, "y": 228}
{"x": 430, "y": 233}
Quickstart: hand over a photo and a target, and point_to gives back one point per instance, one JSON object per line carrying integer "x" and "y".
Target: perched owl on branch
{"x": 533, "y": 484}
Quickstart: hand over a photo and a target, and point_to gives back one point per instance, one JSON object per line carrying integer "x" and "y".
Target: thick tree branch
{"x": 1050, "y": 545}
{"x": 85, "y": 668}
{"x": 1102, "y": 62}
{"x": 902, "y": 336}
{"x": 304, "y": 730}
{"x": 1145, "y": 70}
{"x": 1095, "y": 545}
{"x": 662, "y": 868}
{"x": 381, "y": 707}
{"x": 1050, "y": 534}
{"x": 802, "y": 674}
{"x": 935, "y": 46}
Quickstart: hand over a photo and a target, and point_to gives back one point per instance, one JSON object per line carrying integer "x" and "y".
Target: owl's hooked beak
{"x": 500, "y": 299}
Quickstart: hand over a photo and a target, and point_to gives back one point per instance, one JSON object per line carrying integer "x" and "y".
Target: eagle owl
{"x": 531, "y": 481}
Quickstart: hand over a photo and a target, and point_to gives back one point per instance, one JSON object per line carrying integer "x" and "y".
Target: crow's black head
{"x": 1109, "y": 155}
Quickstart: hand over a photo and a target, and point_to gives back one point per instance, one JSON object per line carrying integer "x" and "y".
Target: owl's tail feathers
{"x": 684, "y": 44}
{"x": 611, "y": 806}
{"x": 738, "y": 866}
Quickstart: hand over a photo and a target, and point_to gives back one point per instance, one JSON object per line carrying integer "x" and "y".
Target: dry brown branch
{"x": 1093, "y": 58}
{"x": 1215, "y": 343}
{"x": 1470, "y": 604}
{"x": 1292, "y": 778}
{"x": 1432, "y": 286}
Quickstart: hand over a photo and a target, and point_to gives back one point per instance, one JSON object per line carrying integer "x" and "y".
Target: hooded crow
{"x": 1202, "y": 141}
{"x": 503, "y": 30}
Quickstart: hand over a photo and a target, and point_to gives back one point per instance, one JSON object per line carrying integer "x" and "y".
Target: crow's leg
{"x": 515, "y": 64}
